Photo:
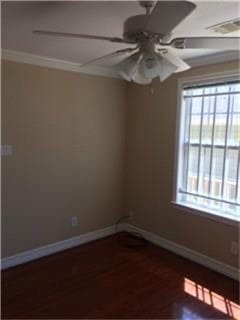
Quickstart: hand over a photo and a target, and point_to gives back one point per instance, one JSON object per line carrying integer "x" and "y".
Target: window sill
{"x": 207, "y": 214}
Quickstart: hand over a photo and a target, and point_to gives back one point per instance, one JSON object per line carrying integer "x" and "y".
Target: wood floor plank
{"x": 104, "y": 279}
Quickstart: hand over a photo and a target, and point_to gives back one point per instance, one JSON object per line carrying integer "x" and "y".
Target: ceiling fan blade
{"x": 78, "y": 35}
{"x": 175, "y": 60}
{"x": 109, "y": 55}
{"x": 225, "y": 43}
{"x": 166, "y": 15}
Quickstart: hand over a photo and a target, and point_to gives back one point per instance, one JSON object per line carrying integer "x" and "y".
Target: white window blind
{"x": 209, "y": 168}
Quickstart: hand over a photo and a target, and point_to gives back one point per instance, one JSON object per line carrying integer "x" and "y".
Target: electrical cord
{"x": 130, "y": 239}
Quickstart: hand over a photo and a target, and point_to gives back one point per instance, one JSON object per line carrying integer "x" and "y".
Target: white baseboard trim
{"x": 178, "y": 249}
{"x": 49, "y": 249}
{"x": 185, "y": 252}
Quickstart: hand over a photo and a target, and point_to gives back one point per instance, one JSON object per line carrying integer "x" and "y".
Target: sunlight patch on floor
{"x": 213, "y": 299}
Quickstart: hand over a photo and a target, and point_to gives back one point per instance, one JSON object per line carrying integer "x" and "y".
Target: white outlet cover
{"x": 74, "y": 221}
{"x": 6, "y": 150}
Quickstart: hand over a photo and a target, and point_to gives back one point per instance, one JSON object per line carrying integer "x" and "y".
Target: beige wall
{"x": 68, "y": 135}
{"x": 150, "y": 157}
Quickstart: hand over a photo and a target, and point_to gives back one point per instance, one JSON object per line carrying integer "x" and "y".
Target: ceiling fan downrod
{"x": 147, "y": 5}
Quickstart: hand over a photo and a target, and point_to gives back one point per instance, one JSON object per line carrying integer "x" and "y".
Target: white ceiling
{"x": 20, "y": 18}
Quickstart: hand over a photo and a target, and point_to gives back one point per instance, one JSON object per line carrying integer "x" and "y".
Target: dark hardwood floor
{"x": 104, "y": 279}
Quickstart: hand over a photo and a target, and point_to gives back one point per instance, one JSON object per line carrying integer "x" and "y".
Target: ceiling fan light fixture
{"x": 167, "y": 69}
{"x": 151, "y": 66}
{"x": 127, "y": 67}
{"x": 154, "y": 65}
{"x": 142, "y": 68}
{"x": 139, "y": 77}
{"x": 148, "y": 31}
{"x": 125, "y": 76}
{"x": 175, "y": 60}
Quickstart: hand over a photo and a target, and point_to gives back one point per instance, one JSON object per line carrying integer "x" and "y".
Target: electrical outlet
{"x": 6, "y": 150}
{"x": 234, "y": 248}
{"x": 74, "y": 221}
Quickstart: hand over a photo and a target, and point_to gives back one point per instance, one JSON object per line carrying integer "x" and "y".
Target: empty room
{"x": 120, "y": 159}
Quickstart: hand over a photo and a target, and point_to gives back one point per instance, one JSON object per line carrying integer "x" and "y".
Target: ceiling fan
{"x": 152, "y": 55}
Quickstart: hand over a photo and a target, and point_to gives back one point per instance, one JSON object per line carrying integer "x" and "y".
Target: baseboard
{"x": 40, "y": 252}
{"x": 185, "y": 252}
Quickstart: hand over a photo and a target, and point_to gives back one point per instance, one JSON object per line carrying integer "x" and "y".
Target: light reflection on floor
{"x": 213, "y": 299}
{"x": 188, "y": 314}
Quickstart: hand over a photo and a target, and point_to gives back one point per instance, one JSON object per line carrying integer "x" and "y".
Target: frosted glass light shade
{"x": 167, "y": 68}
{"x": 151, "y": 66}
{"x": 154, "y": 65}
{"x": 172, "y": 58}
{"x": 139, "y": 77}
{"x": 143, "y": 67}
{"x": 128, "y": 66}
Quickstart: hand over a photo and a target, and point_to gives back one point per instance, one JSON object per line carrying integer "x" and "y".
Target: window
{"x": 208, "y": 167}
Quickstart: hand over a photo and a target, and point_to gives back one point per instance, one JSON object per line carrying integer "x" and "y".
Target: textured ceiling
{"x": 19, "y": 18}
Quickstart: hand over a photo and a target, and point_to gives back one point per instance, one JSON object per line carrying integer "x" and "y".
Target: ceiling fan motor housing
{"x": 133, "y": 28}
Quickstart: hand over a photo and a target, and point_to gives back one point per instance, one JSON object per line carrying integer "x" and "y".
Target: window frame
{"x": 203, "y": 79}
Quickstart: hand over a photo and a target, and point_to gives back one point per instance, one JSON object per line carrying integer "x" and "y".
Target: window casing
{"x": 208, "y": 157}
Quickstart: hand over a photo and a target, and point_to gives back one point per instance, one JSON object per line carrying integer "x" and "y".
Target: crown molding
{"x": 214, "y": 58}
{"x": 33, "y": 59}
